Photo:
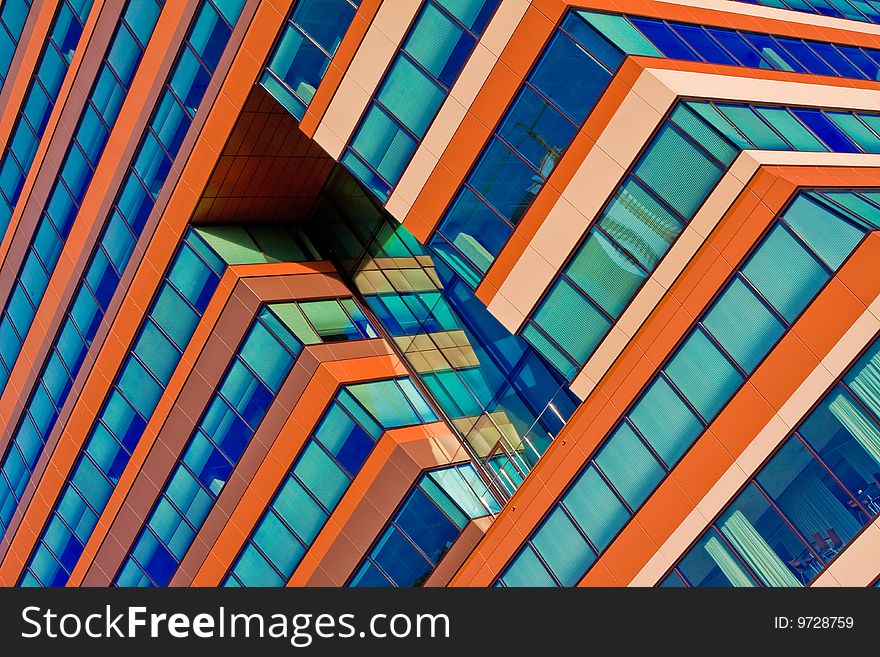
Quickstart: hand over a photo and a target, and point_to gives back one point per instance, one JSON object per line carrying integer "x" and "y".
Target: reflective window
{"x": 808, "y": 502}
{"x": 562, "y": 89}
{"x": 170, "y": 322}
{"x": 701, "y": 376}
{"x": 426, "y": 525}
{"x": 415, "y": 86}
{"x": 328, "y": 462}
{"x": 301, "y": 57}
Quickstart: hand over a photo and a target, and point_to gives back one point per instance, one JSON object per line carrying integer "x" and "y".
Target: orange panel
{"x": 29, "y": 47}
{"x": 339, "y": 65}
{"x": 318, "y": 393}
{"x": 747, "y": 413}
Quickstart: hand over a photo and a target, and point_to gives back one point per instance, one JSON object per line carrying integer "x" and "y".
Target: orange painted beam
{"x": 29, "y": 47}
{"x": 88, "y": 222}
{"x": 522, "y": 50}
{"x": 720, "y": 255}
{"x": 307, "y": 412}
{"x": 801, "y": 350}
{"x": 342, "y": 59}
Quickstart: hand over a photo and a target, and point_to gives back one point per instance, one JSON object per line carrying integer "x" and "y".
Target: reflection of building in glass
{"x": 441, "y": 292}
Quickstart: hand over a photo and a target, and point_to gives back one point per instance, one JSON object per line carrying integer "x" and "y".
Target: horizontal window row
{"x": 163, "y": 336}
{"x": 425, "y": 526}
{"x": 786, "y": 270}
{"x": 809, "y": 501}
{"x": 303, "y": 52}
{"x": 867, "y": 11}
{"x": 111, "y": 254}
{"x": 327, "y": 464}
{"x": 51, "y": 67}
{"x": 261, "y": 363}
{"x": 652, "y": 205}
{"x": 417, "y": 82}
{"x": 562, "y": 89}
{"x": 260, "y": 243}
{"x": 325, "y": 320}
{"x": 77, "y": 167}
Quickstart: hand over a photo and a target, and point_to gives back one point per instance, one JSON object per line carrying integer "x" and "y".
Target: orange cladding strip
{"x": 801, "y": 350}
{"x": 7, "y": 121}
{"x": 88, "y": 222}
{"x": 528, "y": 41}
{"x": 19, "y": 76}
{"x": 318, "y": 393}
{"x": 758, "y": 204}
{"x": 220, "y": 120}
{"x": 80, "y": 423}
{"x": 345, "y": 53}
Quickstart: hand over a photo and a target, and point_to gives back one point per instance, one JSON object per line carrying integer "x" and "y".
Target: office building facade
{"x": 439, "y": 293}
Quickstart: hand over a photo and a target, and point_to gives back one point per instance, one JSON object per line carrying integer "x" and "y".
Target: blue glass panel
{"x": 209, "y": 36}
{"x": 527, "y": 570}
{"x": 124, "y": 54}
{"x": 743, "y": 325}
{"x": 703, "y": 375}
{"x": 595, "y": 508}
{"x": 299, "y": 510}
{"x": 785, "y": 273}
{"x": 563, "y": 548}
{"x": 475, "y": 230}
{"x": 571, "y": 321}
{"x": 569, "y": 77}
{"x": 707, "y": 48}
{"x": 397, "y": 557}
{"x": 666, "y": 40}
{"x": 410, "y": 96}
{"x": 536, "y": 130}
{"x": 629, "y": 466}
{"x": 384, "y": 144}
{"x": 826, "y": 130}
{"x": 668, "y": 425}
{"x": 426, "y": 526}
{"x": 439, "y": 44}
{"x": 605, "y": 273}
{"x": 505, "y": 181}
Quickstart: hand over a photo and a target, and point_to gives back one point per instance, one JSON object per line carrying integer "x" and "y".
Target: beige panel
{"x": 724, "y": 194}
{"x": 679, "y": 540}
{"x": 769, "y": 438}
{"x": 598, "y": 175}
{"x": 472, "y": 78}
{"x": 780, "y": 14}
{"x": 657, "y": 563}
{"x": 528, "y": 280}
{"x": 364, "y": 73}
{"x": 627, "y": 133}
{"x": 859, "y": 562}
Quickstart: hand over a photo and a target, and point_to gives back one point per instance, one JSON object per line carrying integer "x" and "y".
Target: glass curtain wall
{"x": 809, "y": 501}
{"x": 505, "y": 402}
